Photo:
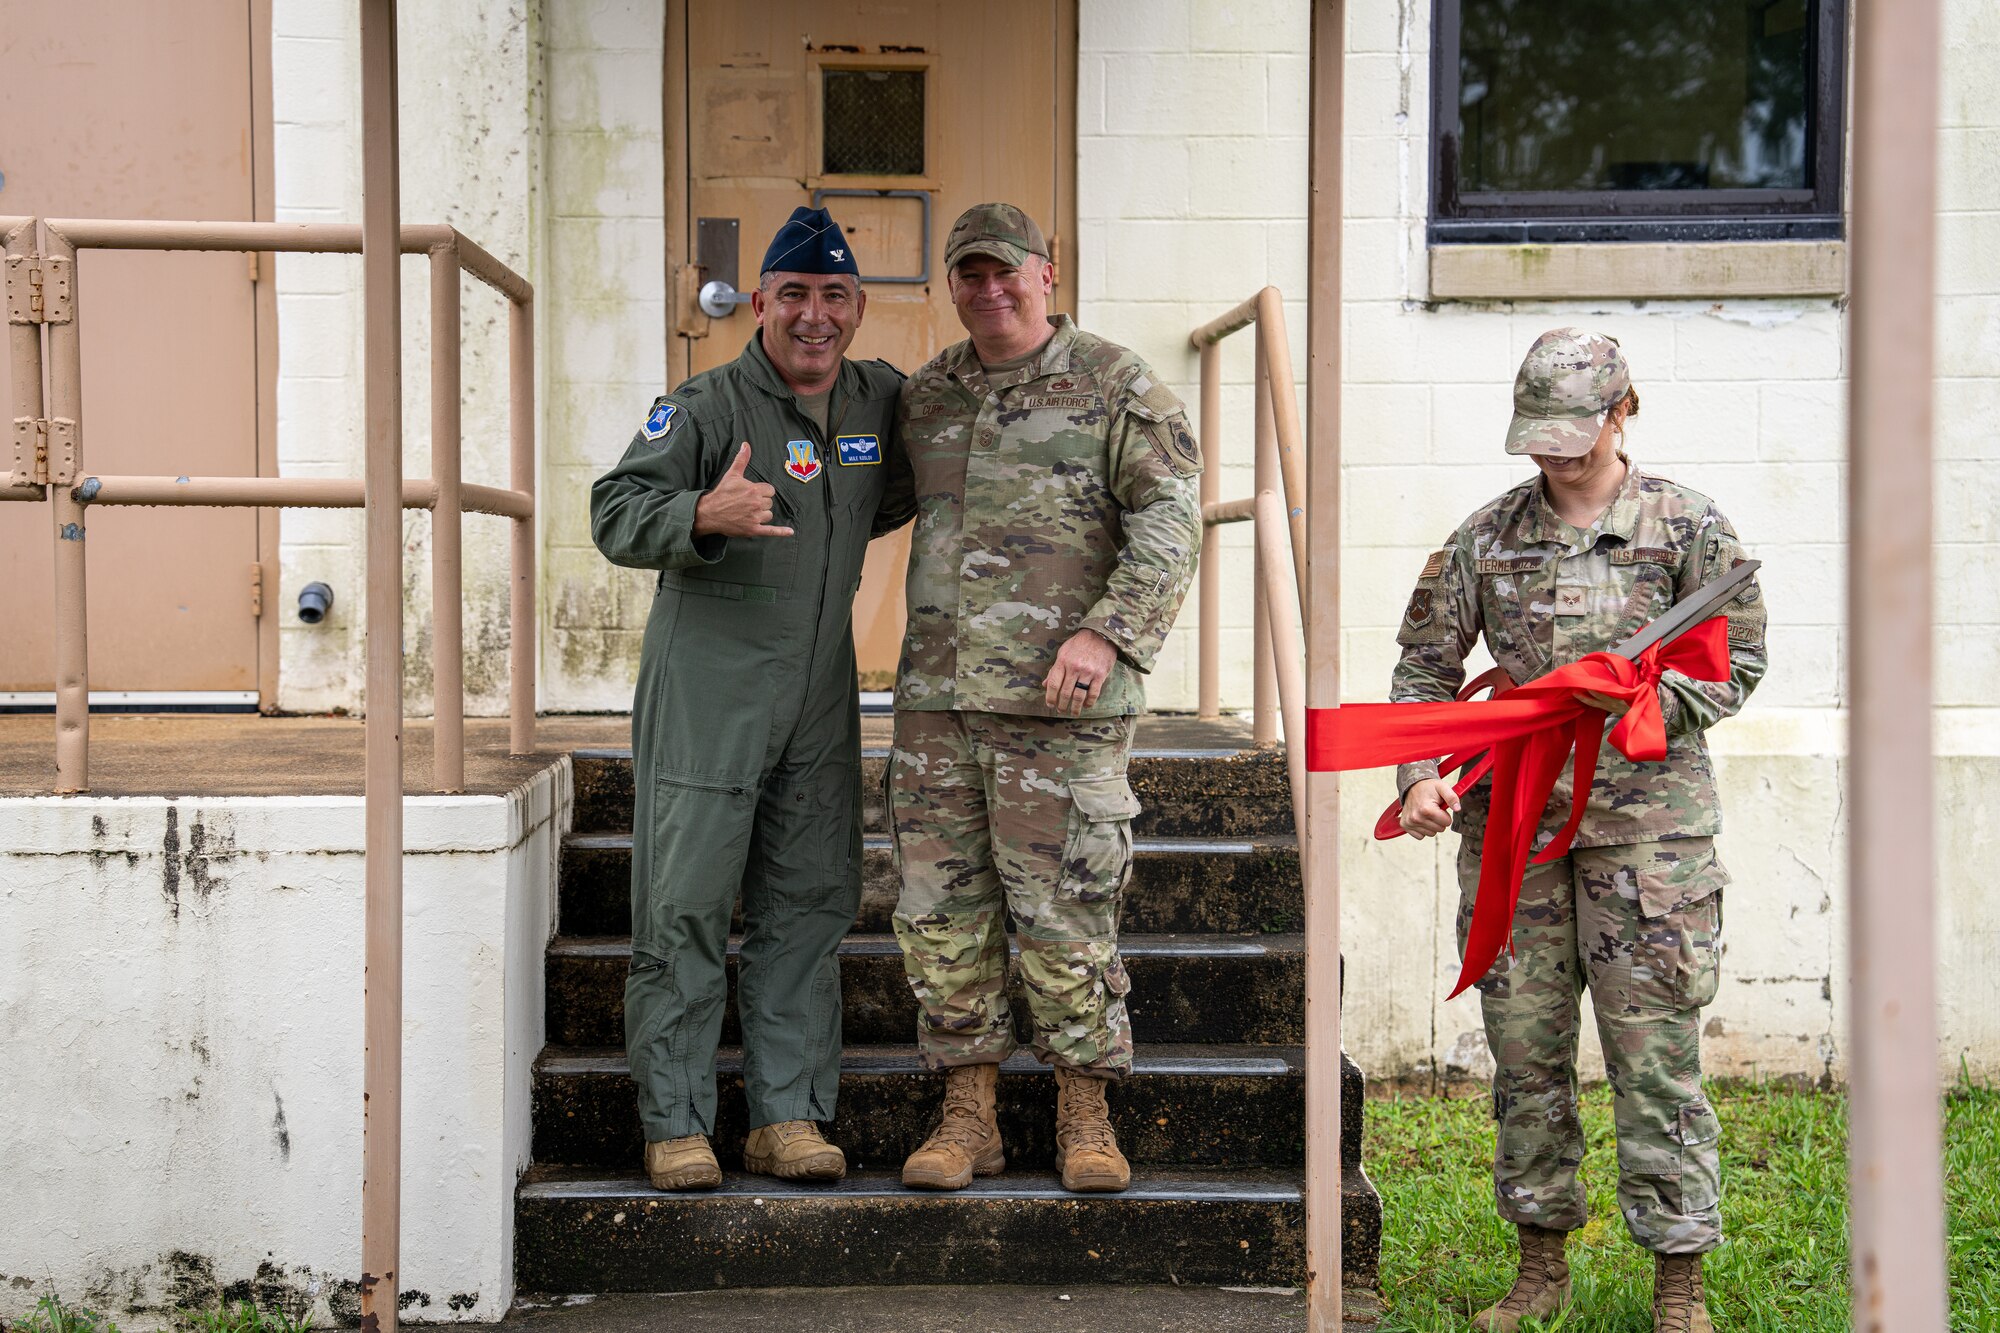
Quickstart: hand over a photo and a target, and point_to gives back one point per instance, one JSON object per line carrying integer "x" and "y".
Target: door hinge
{"x": 257, "y": 591}
{"x": 37, "y": 290}
{"x": 44, "y": 452}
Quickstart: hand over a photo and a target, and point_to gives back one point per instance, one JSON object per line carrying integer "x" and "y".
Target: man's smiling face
{"x": 808, "y": 321}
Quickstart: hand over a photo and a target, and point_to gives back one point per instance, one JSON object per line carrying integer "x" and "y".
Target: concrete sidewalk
{"x": 934, "y": 1310}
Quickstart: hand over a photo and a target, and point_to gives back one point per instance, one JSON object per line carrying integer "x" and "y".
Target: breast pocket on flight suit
{"x": 754, "y": 569}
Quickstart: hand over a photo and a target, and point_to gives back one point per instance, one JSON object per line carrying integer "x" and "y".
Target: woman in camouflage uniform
{"x": 1570, "y": 563}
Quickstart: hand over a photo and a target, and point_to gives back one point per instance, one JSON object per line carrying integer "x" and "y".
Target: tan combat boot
{"x": 1086, "y": 1150}
{"x": 966, "y": 1142}
{"x": 1679, "y": 1304}
{"x": 792, "y": 1150}
{"x": 1541, "y": 1287}
{"x": 682, "y": 1164}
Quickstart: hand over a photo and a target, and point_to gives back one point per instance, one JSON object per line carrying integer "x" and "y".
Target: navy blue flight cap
{"x": 810, "y": 242}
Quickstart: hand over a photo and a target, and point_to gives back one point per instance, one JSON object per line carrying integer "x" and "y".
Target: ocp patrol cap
{"x": 810, "y": 242}
{"x": 1000, "y": 230}
{"x": 1567, "y": 379}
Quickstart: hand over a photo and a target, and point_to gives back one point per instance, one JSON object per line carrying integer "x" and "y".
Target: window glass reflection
{"x": 1643, "y": 95}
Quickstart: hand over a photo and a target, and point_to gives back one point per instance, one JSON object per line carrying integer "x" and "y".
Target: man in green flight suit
{"x": 751, "y": 488}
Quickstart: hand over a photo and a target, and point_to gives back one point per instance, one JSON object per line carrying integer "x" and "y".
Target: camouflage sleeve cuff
{"x": 1409, "y": 775}
{"x": 1670, "y": 708}
{"x": 1123, "y": 638}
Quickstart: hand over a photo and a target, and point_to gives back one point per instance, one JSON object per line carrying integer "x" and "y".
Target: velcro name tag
{"x": 857, "y": 450}
{"x": 1512, "y": 564}
{"x": 1070, "y": 402}
{"x": 1645, "y": 555}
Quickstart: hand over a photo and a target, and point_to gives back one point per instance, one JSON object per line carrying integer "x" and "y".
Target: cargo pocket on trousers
{"x": 1700, "y": 1160}
{"x": 698, "y": 822}
{"x": 1097, "y": 858}
{"x": 1677, "y": 954}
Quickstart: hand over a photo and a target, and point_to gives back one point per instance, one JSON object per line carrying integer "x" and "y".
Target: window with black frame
{"x": 1554, "y": 120}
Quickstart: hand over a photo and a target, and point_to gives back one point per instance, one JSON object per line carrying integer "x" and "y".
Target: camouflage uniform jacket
{"x": 1049, "y": 499}
{"x": 1545, "y": 594}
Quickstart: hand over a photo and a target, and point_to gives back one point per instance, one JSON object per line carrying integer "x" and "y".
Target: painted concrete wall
{"x": 606, "y": 328}
{"x": 470, "y": 109}
{"x": 1192, "y": 119}
{"x": 188, "y": 975}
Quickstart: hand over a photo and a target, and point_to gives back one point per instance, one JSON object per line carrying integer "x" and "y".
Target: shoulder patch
{"x": 1173, "y": 442}
{"x": 1434, "y": 565}
{"x": 660, "y": 420}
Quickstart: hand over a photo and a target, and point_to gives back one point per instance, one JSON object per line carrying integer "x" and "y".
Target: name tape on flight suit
{"x": 858, "y": 450}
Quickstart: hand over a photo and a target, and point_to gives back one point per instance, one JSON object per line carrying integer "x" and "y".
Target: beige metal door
{"x": 895, "y": 117}
{"x": 111, "y": 109}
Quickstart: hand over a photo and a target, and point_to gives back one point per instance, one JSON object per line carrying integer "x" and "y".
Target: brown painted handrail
{"x": 60, "y": 477}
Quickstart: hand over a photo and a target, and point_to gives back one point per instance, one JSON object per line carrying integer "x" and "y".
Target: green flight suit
{"x": 746, "y": 734}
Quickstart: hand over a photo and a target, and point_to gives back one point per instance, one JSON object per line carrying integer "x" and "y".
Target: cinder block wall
{"x": 1192, "y": 123}
{"x": 471, "y": 156}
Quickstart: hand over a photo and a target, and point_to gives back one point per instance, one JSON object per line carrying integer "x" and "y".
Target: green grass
{"x": 52, "y": 1314}
{"x": 1783, "y": 1269}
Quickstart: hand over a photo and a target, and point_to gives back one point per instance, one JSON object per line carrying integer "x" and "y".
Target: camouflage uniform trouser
{"x": 997, "y": 814}
{"x": 1641, "y": 926}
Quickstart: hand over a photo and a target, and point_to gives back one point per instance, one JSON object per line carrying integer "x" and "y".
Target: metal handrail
{"x": 56, "y": 473}
{"x": 1280, "y": 444}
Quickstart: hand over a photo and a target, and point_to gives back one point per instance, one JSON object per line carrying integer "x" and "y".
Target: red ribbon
{"x": 1530, "y": 732}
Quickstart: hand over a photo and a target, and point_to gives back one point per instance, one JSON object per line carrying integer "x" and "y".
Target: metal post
{"x": 1210, "y": 624}
{"x": 1264, "y": 689}
{"x": 1290, "y": 438}
{"x": 1287, "y": 649}
{"x": 1895, "y": 1145}
{"x": 72, "y": 619}
{"x": 1320, "y": 838}
{"x": 382, "y": 1074}
{"x": 447, "y": 536}
{"x": 521, "y": 477}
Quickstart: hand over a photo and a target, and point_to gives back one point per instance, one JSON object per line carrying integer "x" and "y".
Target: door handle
{"x": 719, "y": 299}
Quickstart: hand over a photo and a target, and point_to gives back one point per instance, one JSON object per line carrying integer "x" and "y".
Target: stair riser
{"x": 1172, "y": 892}
{"x": 1168, "y": 1119}
{"x": 667, "y": 1243}
{"x": 1248, "y": 998}
{"x": 1184, "y": 797}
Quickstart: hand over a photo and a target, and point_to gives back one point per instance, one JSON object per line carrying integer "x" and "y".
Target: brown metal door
{"x": 111, "y": 109}
{"x": 921, "y": 109}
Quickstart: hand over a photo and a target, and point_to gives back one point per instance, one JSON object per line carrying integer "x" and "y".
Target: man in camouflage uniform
{"x": 1052, "y": 478}
{"x": 1634, "y": 912}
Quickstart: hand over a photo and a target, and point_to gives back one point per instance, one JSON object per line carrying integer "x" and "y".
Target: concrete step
{"x": 1187, "y": 793}
{"x": 1179, "y": 885}
{"x": 578, "y": 1230}
{"x": 1235, "y": 990}
{"x": 1183, "y": 1105}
